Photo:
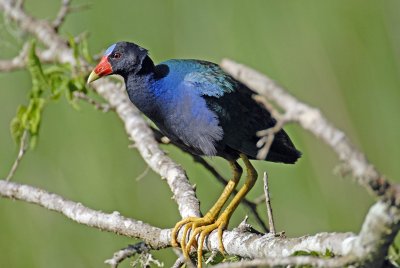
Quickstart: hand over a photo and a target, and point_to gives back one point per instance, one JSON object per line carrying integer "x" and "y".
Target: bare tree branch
{"x": 290, "y": 261}
{"x": 159, "y": 238}
{"x": 114, "y": 222}
{"x": 41, "y": 29}
{"x": 99, "y": 106}
{"x": 379, "y": 229}
{"x": 19, "y": 61}
{"x": 20, "y": 3}
{"x": 16, "y": 63}
{"x": 126, "y": 253}
{"x": 63, "y": 12}
{"x": 312, "y": 120}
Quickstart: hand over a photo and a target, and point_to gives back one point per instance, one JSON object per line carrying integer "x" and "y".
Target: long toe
{"x": 201, "y": 234}
{"x": 175, "y": 230}
{"x": 193, "y": 227}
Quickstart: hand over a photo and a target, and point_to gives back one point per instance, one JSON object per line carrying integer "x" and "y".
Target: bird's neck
{"x": 139, "y": 88}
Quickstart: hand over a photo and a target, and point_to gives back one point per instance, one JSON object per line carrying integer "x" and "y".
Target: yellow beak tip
{"x": 92, "y": 77}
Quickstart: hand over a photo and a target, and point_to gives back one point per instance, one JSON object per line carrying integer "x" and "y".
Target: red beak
{"x": 102, "y": 69}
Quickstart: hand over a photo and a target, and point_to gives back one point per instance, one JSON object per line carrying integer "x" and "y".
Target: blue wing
{"x": 204, "y": 77}
{"x": 211, "y": 80}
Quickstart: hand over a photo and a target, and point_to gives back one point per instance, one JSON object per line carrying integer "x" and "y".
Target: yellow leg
{"x": 248, "y": 184}
{"x": 193, "y": 223}
{"x": 204, "y": 226}
{"x": 223, "y": 220}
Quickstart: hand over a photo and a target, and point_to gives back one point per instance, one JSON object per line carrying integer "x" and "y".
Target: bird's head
{"x": 120, "y": 58}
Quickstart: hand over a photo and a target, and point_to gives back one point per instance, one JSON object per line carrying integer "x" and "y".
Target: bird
{"x": 204, "y": 111}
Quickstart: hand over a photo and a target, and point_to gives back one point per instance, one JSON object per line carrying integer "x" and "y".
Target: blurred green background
{"x": 342, "y": 56}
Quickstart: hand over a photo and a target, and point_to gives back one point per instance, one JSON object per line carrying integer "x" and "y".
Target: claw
{"x": 184, "y": 247}
{"x": 221, "y": 245}
{"x": 201, "y": 228}
{"x": 195, "y": 227}
{"x": 178, "y": 226}
{"x": 192, "y": 240}
{"x": 200, "y": 249}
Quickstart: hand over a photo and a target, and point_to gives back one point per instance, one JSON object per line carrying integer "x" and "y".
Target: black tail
{"x": 283, "y": 150}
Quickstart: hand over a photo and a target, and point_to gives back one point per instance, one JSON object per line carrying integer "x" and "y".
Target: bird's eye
{"x": 116, "y": 55}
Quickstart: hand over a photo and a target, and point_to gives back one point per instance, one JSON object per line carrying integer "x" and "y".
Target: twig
{"x": 180, "y": 261}
{"x": 271, "y": 108}
{"x": 21, "y": 153}
{"x": 267, "y": 136}
{"x": 103, "y": 107}
{"x": 20, "y": 3}
{"x": 12, "y": 29}
{"x": 62, "y": 14}
{"x": 81, "y": 36}
{"x": 17, "y": 62}
{"x": 246, "y": 227}
{"x": 143, "y": 174}
{"x": 146, "y": 259}
{"x": 212, "y": 257}
{"x": 126, "y": 253}
{"x": 269, "y": 207}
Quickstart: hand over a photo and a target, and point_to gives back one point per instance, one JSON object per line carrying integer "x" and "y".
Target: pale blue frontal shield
{"x": 109, "y": 50}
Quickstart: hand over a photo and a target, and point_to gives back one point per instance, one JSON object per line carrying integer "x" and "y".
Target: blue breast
{"x": 183, "y": 112}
